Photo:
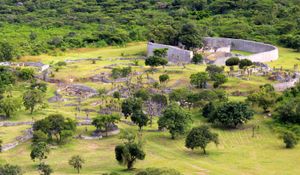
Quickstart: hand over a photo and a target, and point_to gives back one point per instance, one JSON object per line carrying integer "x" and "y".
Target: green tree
{"x": 218, "y": 79}
{"x": 144, "y": 94}
{"x": 105, "y": 122}
{"x": 197, "y": 58}
{"x": 6, "y": 51}
{"x": 77, "y": 162}
{"x": 200, "y": 137}
{"x": 158, "y": 58}
{"x": 130, "y": 151}
{"x": 290, "y": 139}
{"x": 190, "y": 36}
{"x": 26, "y": 74}
{"x": 9, "y": 105}
{"x": 117, "y": 95}
{"x": 176, "y": 120}
{"x": 39, "y": 151}
{"x": 45, "y": 169}
{"x": 32, "y": 98}
{"x": 231, "y": 62}
{"x": 245, "y": 63}
{"x": 139, "y": 118}
{"x": 10, "y": 170}
{"x": 214, "y": 69}
{"x": 6, "y": 78}
{"x": 232, "y": 114}
{"x": 129, "y": 105}
{"x": 163, "y": 78}
{"x": 199, "y": 79}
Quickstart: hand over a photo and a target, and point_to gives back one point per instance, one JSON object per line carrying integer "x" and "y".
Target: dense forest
{"x": 39, "y": 26}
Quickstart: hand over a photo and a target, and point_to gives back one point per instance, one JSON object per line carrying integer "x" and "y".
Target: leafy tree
{"x": 200, "y": 137}
{"x": 290, "y": 139}
{"x": 190, "y": 36}
{"x": 105, "y": 122}
{"x": 10, "y": 170}
{"x": 180, "y": 95}
{"x": 77, "y": 162}
{"x": 197, "y": 58}
{"x": 175, "y": 119}
{"x": 44, "y": 169}
{"x": 219, "y": 79}
{"x": 245, "y": 63}
{"x": 39, "y": 85}
{"x": 55, "y": 125}
{"x": 129, "y": 105}
{"x": 121, "y": 72}
{"x": 6, "y": 51}
{"x": 232, "y": 114}
{"x": 163, "y": 78}
{"x": 143, "y": 94}
{"x": 6, "y": 78}
{"x": 39, "y": 136}
{"x": 288, "y": 111}
{"x": 130, "y": 151}
{"x": 232, "y": 62}
{"x": 9, "y": 105}
{"x": 214, "y": 69}
{"x": 158, "y": 58}
{"x": 40, "y": 151}
{"x": 32, "y": 98}
{"x": 139, "y": 118}
{"x": 117, "y": 95}
{"x": 199, "y": 79}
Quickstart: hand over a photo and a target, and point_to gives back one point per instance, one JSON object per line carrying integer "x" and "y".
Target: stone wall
{"x": 175, "y": 54}
{"x": 261, "y": 52}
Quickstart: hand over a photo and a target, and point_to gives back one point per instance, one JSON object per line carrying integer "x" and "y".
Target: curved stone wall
{"x": 175, "y": 54}
{"x": 261, "y": 52}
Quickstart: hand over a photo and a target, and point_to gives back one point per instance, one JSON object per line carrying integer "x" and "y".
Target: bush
{"x": 290, "y": 139}
{"x": 245, "y": 63}
{"x": 197, "y": 58}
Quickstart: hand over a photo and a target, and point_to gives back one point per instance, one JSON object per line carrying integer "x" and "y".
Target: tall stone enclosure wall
{"x": 261, "y": 52}
{"x": 175, "y": 54}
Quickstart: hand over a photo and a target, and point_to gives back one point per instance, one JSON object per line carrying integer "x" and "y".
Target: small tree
{"x": 139, "y": 118}
{"x": 232, "y": 62}
{"x": 33, "y": 98}
{"x": 105, "y": 121}
{"x": 40, "y": 151}
{"x": 158, "y": 58}
{"x": 143, "y": 94}
{"x": 200, "y": 137}
{"x": 175, "y": 119}
{"x": 197, "y": 58}
{"x": 232, "y": 114}
{"x": 199, "y": 79}
{"x": 9, "y": 105}
{"x": 44, "y": 169}
{"x": 130, "y": 151}
{"x": 245, "y": 63}
{"x": 77, "y": 162}
{"x": 6, "y": 51}
{"x": 163, "y": 78}
{"x": 129, "y": 105}
{"x": 26, "y": 74}
{"x": 218, "y": 79}
{"x": 290, "y": 139}
{"x": 117, "y": 95}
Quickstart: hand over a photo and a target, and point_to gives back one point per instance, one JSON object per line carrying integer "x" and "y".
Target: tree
{"x": 44, "y": 169}
{"x": 175, "y": 119}
{"x": 163, "y": 78}
{"x": 197, "y": 58}
{"x": 180, "y": 95}
{"x": 10, "y": 170}
{"x": 199, "y": 79}
{"x": 200, "y": 137}
{"x": 40, "y": 151}
{"x": 105, "y": 121}
{"x": 143, "y": 94}
{"x": 214, "y": 69}
{"x": 232, "y": 114}
{"x": 129, "y": 105}
{"x": 9, "y": 105}
{"x": 77, "y": 162}
{"x": 6, "y": 78}
{"x": 32, "y": 98}
{"x": 290, "y": 139}
{"x": 6, "y": 51}
{"x": 158, "y": 58}
{"x": 245, "y": 63}
{"x": 218, "y": 79}
{"x": 190, "y": 36}
{"x": 26, "y": 74}
{"x": 117, "y": 95}
{"x": 289, "y": 111}
{"x": 232, "y": 62}
{"x": 139, "y": 118}
{"x": 55, "y": 125}
{"x": 130, "y": 151}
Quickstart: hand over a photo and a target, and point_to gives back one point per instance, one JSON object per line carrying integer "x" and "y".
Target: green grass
{"x": 287, "y": 59}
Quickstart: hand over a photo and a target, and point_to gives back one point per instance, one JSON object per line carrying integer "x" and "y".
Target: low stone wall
{"x": 28, "y": 134}
{"x": 175, "y": 54}
{"x": 261, "y": 52}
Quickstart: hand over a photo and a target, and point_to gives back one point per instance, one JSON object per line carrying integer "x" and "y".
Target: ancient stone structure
{"x": 261, "y": 52}
{"x": 175, "y": 54}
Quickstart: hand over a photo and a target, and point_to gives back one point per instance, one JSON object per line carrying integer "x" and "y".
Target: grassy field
{"x": 237, "y": 154}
